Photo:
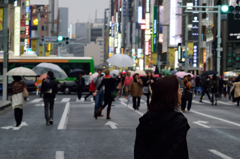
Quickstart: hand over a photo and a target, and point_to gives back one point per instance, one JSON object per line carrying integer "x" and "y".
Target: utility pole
{"x": 52, "y": 31}
{"x": 5, "y": 47}
{"x": 39, "y": 22}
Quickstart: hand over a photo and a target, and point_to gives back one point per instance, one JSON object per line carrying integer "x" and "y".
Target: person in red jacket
{"x": 127, "y": 83}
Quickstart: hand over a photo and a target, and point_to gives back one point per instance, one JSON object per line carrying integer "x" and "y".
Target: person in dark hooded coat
{"x": 162, "y": 131}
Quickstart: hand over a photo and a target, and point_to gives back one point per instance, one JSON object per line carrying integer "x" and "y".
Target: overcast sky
{"x": 83, "y": 10}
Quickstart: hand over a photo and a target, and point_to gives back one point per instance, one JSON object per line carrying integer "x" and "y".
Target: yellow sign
{"x": 147, "y": 60}
{"x": 190, "y": 48}
{"x": 47, "y": 54}
{"x": 35, "y": 21}
{"x": 171, "y": 54}
{"x": 49, "y": 47}
{"x": 34, "y": 45}
{"x": 154, "y": 58}
{"x": 1, "y": 18}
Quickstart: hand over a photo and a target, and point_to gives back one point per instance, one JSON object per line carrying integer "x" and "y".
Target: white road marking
{"x": 36, "y": 100}
{"x": 223, "y": 156}
{"x": 142, "y": 100}
{"x": 15, "y": 128}
{"x": 225, "y": 103}
{"x": 82, "y": 99}
{"x": 196, "y": 102}
{"x": 59, "y": 155}
{"x": 132, "y": 108}
{"x": 112, "y": 124}
{"x": 213, "y": 117}
{"x": 123, "y": 99}
{"x": 91, "y": 99}
{"x": 66, "y": 99}
{"x": 39, "y": 105}
{"x": 201, "y": 123}
{"x": 63, "y": 122}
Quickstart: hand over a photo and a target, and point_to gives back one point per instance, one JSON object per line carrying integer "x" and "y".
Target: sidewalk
{"x": 4, "y": 104}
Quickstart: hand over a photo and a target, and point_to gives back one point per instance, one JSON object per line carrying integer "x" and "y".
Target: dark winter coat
{"x": 49, "y": 88}
{"x": 161, "y": 135}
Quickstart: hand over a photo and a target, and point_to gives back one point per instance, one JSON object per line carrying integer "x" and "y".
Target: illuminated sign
{"x": 147, "y": 6}
{"x": 35, "y": 21}
{"x": 17, "y": 29}
{"x": 139, "y": 52}
{"x": 195, "y": 22}
{"x": 27, "y": 28}
{"x": 124, "y": 8}
{"x": 27, "y": 10}
{"x": 146, "y": 48}
{"x": 195, "y": 53}
{"x": 147, "y": 16}
{"x": 154, "y": 32}
{"x": 139, "y": 14}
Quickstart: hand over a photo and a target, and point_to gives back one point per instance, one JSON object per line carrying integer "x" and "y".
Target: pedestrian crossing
{"x": 218, "y": 102}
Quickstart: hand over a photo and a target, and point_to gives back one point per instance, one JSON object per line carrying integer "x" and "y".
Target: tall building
{"x": 63, "y": 21}
{"x": 81, "y": 30}
{"x": 95, "y": 30}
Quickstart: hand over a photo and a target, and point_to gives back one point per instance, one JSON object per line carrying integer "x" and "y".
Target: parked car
{"x": 69, "y": 85}
{"x": 29, "y": 82}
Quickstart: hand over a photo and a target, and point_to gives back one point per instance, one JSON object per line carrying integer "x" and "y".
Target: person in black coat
{"x": 109, "y": 84}
{"x": 149, "y": 82}
{"x": 205, "y": 86}
{"x": 80, "y": 85}
{"x": 49, "y": 88}
{"x": 163, "y": 129}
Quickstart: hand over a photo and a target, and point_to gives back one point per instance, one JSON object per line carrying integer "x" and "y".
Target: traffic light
{"x": 62, "y": 39}
{"x": 225, "y": 8}
{"x": 236, "y": 11}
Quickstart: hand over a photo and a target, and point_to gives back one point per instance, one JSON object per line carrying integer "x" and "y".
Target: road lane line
{"x": 66, "y": 99}
{"x": 225, "y": 103}
{"x": 213, "y": 117}
{"x": 36, "y": 100}
{"x": 63, "y": 122}
{"x": 223, "y": 156}
{"x": 196, "y": 102}
{"x": 59, "y": 155}
{"x": 132, "y": 108}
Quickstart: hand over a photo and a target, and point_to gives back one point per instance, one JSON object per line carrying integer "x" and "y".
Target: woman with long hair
{"x": 119, "y": 80}
{"x": 109, "y": 83}
{"x": 149, "y": 84}
{"x": 163, "y": 129}
{"x": 136, "y": 90}
{"x": 18, "y": 98}
{"x": 236, "y": 90}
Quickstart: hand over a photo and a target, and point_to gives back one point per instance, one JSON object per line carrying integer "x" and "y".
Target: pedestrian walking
{"x": 149, "y": 85}
{"x": 109, "y": 94}
{"x": 91, "y": 90}
{"x": 214, "y": 89}
{"x": 80, "y": 85}
{"x": 136, "y": 91}
{"x": 162, "y": 131}
{"x": 193, "y": 84}
{"x": 127, "y": 83}
{"x": 229, "y": 86}
{"x": 186, "y": 94}
{"x": 205, "y": 86}
{"x": 100, "y": 94}
{"x": 119, "y": 80}
{"x": 19, "y": 96}
{"x": 236, "y": 90}
{"x": 49, "y": 89}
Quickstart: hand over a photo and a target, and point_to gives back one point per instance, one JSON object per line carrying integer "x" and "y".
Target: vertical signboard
{"x": 190, "y": 48}
{"x": 195, "y": 22}
{"x": 154, "y": 30}
{"x": 30, "y": 26}
{"x": 195, "y": 52}
{"x": 171, "y": 54}
{"x": 139, "y": 14}
{"x": 17, "y": 16}
{"x": 27, "y": 17}
{"x": 147, "y": 14}
{"x": 1, "y": 19}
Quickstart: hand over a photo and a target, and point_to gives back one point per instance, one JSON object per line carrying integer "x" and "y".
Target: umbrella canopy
{"x": 45, "y": 67}
{"x": 140, "y": 72}
{"x": 114, "y": 73}
{"x": 21, "y": 71}
{"x": 43, "y": 76}
{"x": 121, "y": 60}
{"x": 76, "y": 72}
{"x": 166, "y": 72}
{"x": 230, "y": 74}
{"x": 93, "y": 76}
{"x": 156, "y": 76}
{"x": 209, "y": 72}
{"x": 182, "y": 74}
{"x": 173, "y": 72}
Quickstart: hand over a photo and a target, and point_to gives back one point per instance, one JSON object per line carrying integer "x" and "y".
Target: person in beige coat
{"x": 136, "y": 90}
{"x": 236, "y": 88}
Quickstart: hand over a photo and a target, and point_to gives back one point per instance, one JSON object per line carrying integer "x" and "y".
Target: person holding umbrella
{"x": 80, "y": 84}
{"x": 49, "y": 89}
{"x": 214, "y": 85}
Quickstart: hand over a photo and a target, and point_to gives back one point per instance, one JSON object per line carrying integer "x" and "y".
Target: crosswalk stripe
{"x": 36, "y": 100}
{"x": 66, "y": 99}
{"x": 91, "y": 99}
{"x": 224, "y": 103}
{"x": 82, "y": 99}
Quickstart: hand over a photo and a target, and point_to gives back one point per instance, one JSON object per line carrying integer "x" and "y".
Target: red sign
{"x": 27, "y": 30}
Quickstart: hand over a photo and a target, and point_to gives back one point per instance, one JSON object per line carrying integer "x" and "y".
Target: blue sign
{"x": 27, "y": 9}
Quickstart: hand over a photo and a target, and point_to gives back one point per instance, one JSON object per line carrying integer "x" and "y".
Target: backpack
{"x": 49, "y": 84}
{"x": 92, "y": 87}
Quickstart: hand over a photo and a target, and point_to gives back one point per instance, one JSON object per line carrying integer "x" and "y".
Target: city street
{"x": 76, "y": 134}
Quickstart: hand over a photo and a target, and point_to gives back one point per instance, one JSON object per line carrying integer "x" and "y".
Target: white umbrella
{"x": 21, "y": 71}
{"x": 230, "y": 74}
{"x": 121, "y": 60}
{"x": 140, "y": 72}
{"x": 45, "y": 67}
{"x": 93, "y": 76}
{"x": 114, "y": 73}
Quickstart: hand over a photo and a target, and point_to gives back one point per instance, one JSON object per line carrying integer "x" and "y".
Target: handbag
{"x": 145, "y": 89}
{"x": 25, "y": 92}
{"x": 113, "y": 94}
{"x": 119, "y": 86}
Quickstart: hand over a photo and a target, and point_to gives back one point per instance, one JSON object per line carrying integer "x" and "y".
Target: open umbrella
{"x": 93, "y": 76}
{"x": 209, "y": 72}
{"x": 45, "y": 67}
{"x": 21, "y": 71}
{"x": 182, "y": 74}
{"x": 76, "y": 72}
{"x": 121, "y": 60}
{"x": 140, "y": 72}
{"x": 230, "y": 74}
{"x": 166, "y": 72}
{"x": 114, "y": 73}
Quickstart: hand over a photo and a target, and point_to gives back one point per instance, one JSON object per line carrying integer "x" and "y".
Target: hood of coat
{"x": 153, "y": 121}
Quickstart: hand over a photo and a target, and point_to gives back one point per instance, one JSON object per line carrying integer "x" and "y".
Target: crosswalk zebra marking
{"x": 66, "y": 99}
{"x": 36, "y": 100}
